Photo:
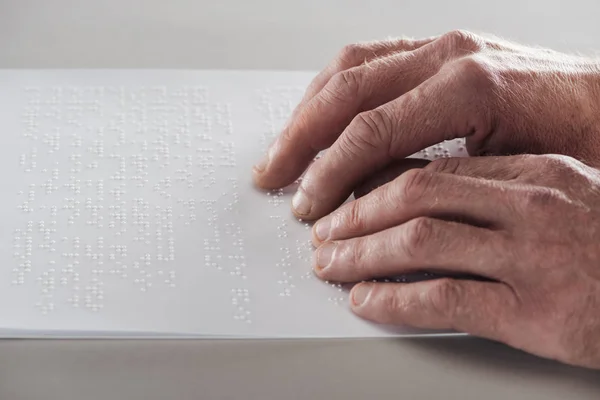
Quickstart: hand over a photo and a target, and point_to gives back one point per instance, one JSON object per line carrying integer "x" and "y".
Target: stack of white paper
{"x": 128, "y": 210}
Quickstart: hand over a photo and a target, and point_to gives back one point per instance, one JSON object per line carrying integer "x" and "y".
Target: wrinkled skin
{"x": 383, "y": 101}
{"x": 528, "y": 224}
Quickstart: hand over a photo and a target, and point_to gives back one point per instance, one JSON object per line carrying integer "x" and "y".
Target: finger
{"x": 321, "y": 120}
{"x": 505, "y": 168}
{"x": 388, "y": 174}
{"x": 356, "y": 54}
{"x": 442, "y": 108}
{"x": 521, "y": 169}
{"x": 484, "y": 309}
{"x": 420, "y": 245}
{"x": 421, "y": 193}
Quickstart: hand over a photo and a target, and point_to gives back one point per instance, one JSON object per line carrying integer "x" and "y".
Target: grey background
{"x": 303, "y": 34}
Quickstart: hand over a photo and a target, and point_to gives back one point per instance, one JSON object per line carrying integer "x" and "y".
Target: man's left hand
{"x": 529, "y": 224}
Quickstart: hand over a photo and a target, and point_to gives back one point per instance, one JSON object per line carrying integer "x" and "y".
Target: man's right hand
{"x": 383, "y": 101}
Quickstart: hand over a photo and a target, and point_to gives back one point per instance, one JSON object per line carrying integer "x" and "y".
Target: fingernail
{"x": 322, "y": 229}
{"x": 301, "y": 203}
{"x": 260, "y": 167}
{"x": 325, "y": 255}
{"x": 360, "y": 293}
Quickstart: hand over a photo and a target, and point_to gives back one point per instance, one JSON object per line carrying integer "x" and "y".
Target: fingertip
{"x": 267, "y": 179}
{"x": 257, "y": 178}
{"x": 310, "y": 217}
{"x": 360, "y": 295}
{"x": 260, "y": 166}
{"x": 276, "y": 174}
{"x": 309, "y": 207}
{"x": 259, "y": 182}
{"x": 262, "y": 170}
{"x": 376, "y": 302}
{"x": 302, "y": 205}
{"x": 316, "y": 242}
{"x": 317, "y": 269}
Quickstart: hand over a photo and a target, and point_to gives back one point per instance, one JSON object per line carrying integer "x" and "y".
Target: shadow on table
{"x": 150, "y": 369}
{"x": 498, "y": 357}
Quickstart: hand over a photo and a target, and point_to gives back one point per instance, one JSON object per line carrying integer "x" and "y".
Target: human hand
{"x": 383, "y": 101}
{"x": 528, "y": 224}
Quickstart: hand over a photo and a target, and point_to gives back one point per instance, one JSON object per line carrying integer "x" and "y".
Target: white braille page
{"x": 128, "y": 209}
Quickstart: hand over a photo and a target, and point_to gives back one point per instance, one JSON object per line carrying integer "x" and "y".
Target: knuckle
{"x": 368, "y": 131}
{"x": 540, "y": 198}
{"x": 413, "y": 185}
{"x": 419, "y": 233}
{"x": 444, "y": 297}
{"x": 557, "y": 171}
{"x": 377, "y": 124}
{"x": 461, "y": 39}
{"x": 344, "y": 86}
{"x": 478, "y": 71}
{"x": 358, "y": 254}
{"x": 391, "y": 304}
{"x": 353, "y": 218}
{"x": 351, "y": 54}
{"x": 353, "y": 143}
{"x": 557, "y": 162}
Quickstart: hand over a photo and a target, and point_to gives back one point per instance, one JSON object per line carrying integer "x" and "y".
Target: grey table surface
{"x": 272, "y": 34}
